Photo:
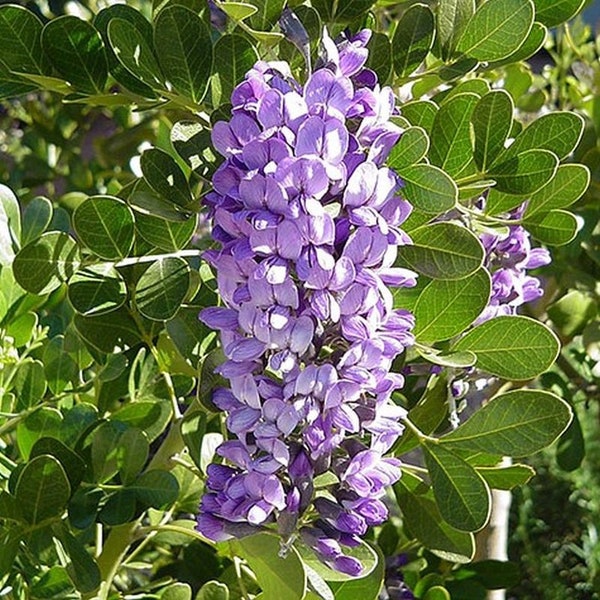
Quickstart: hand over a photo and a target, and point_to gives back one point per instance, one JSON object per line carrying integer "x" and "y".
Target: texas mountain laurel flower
{"x": 308, "y": 222}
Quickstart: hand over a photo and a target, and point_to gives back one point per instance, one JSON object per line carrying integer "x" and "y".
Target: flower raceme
{"x": 509, "y": 256}
{"x": 308, "y": 222}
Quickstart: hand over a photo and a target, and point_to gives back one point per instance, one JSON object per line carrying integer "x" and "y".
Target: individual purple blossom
{"x": 308, "y": 223}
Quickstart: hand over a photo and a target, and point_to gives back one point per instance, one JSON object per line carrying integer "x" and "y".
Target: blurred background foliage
{"x": 67, "y": 151}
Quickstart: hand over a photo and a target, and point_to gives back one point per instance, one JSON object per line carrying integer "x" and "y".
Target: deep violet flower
{"x": 308, "y": 221}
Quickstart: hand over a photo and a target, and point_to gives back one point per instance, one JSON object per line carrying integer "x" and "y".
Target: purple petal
{"x": 361, "y": 185}
{"x": 219, "y": 318}
{"x": 270, "y": 109}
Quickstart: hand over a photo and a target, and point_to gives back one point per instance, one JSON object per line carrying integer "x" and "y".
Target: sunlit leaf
{"x": 76, "y": 51}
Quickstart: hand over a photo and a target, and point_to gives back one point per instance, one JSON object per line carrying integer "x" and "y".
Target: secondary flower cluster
{"x": 308, "y": 222}
{"x": 509, "y": 256}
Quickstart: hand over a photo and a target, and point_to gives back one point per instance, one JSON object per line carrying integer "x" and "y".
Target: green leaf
{"x": 558, "y": 132}
{"x": 462, "y": 495}
{"x": 278, "y": 577}
{"x": 96, "y": 290}
{"x": 555, "y": 228}
{"x": 497, "y": 29}
{"x": 162, "y": 288}
{"x": 234, "y": 57}
{"x": 267, "y": 14}
{"x": 177, "y": 591}
{"x": 455, "y": 70}
{"x": 166, "y": 235}
{"x": 213, "y": 590}
{"x": 147, "y": 202}
{"x": 165, "y": 177}
{"x": 191, "y": 141}
{"x": 412, "y": 39}
{"x": 135, "y": 52}
{"x": 36, "y": 218}
{"x": 451, "y": 147}
{"x": 492, "y": 122}
{"x": 50, "y": 84}
{"x": 76, "y": 51}
{"x": 571, "y": 313}
{"x": 82, "y": 568}
{"x": 514, "y": 347}
{"x": 54, "y": 583}
{"x": 517, "y": 423}
{"x": 9, "y": 542}
{"x": 525, "y": 173}
{"x": 420, "y": 113}
{"x": 60, "y": 368}
{"x": 42, "y": 265}
{"x": 566, "y": 187}
{"x": 190, "y": 336}
{"x": 352, "y": 9}
{"x": 380, "y": 56}
{"x": 20, "y": 40}
{"x": 184, "y": 50}
{"x": 454, "y": 360}
{"x": 429, "y": 188}
{"x": 74, "y": 427}
{"x": 442, "y": 251}
{"x": 156, "y": 488}
{"x": 570, "y": 450}
{"x": 141, "y": 25}
{"x": 533, "y": 43}
{"x": 317, "y": 583}
{"x": 423, "y": 518}
{"x": 10, "y": 225}
{"x": 43, "y": 422}
{"x": 104, "y": 450}
{"x": 119, "y": 508}
{"x": 446, "y": 308}
{"x": 73, "y": 465}
{"x": 500, "y": 202}
{"x": 238, "y": 11}
{"x": 365, "y": 588}
{"x": 132, "y": 454}
{"x": 437, "y": 592}
{"x": 12, "y": 85}
{"x": 506, "y": 478}
{"x": 427, "y": 414}
{"x": 83, "y": 507}
{"x": 267, "y": 38}
{"x": 151, "y": 416}
{"x": 452, "y": 18}
{"x": 107, "y": 334}
{"x": 22, "y": 328}
{"x": 29, "y": 384}
{"x": 494, "y": 574}
{"x": 479, "y": 87}
{"x": 105, "y": 225}
{"x": 410, "y": 149}
{"x": 554, "y": 12}
{"x": 42, "y": 489}
{"x": 9, "y": 509}
{"x": 193, "y": 428}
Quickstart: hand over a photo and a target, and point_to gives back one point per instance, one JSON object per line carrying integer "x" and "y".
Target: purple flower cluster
{"x": 508, "y": 258}
{"x": 308, "y": 221}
